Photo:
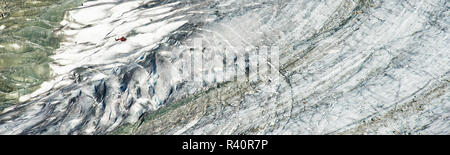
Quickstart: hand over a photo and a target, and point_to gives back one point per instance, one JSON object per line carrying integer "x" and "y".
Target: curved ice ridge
{"x": 347, "y": 66}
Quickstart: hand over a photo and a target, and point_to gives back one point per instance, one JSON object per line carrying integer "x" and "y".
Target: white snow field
{"x": 345, "y": 67}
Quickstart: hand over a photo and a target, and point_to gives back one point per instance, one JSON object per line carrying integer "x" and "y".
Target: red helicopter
{"x": 122, "y": 39}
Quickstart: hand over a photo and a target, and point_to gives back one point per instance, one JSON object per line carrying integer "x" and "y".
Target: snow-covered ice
{"x": 345, "y": 67}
